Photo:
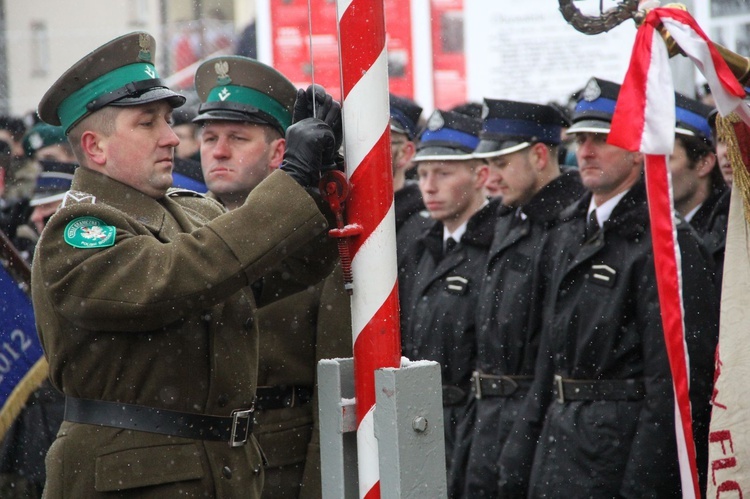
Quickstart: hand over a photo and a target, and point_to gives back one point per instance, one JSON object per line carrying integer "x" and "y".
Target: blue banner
{"x": 20, "y": 349}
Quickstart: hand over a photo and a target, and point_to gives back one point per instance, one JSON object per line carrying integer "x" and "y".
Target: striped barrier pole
{"x": 365, "y": 107}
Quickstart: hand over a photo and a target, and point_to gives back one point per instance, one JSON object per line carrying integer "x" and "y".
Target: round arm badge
{"x": 89, "y": 232}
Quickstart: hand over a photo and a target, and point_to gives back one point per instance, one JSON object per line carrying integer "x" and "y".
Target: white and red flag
{"x": 644, "y": 121}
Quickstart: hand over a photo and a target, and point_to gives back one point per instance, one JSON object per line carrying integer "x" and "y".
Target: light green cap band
{"x": 73, "y": 108}
{"x": 251, "y": 97}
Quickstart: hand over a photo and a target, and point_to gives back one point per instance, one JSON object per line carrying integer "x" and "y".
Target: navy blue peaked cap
{"x": 595, "y": 107}
{"x": 510, "y": 126}
{"x": 449, "y": 136}
{"x": 405, "y": 114}
{"x": 692, "y": 117}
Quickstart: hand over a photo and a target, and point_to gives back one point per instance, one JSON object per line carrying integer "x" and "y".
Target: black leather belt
{"x": 234, "y": 429}
{"x": 453, "y": 395}
{"x": 282, "y": 396}
{"x": 606, "y": 389}
{"x": 490, "y": 385}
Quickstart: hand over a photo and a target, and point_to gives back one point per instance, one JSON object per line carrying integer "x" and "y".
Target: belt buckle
{"x": 237, "y": 416}
{"x": 559, "y": 386}
{"x": 477, "y": 383}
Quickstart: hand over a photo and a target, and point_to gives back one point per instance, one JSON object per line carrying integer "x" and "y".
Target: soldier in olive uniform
{"x": 247, "y": 107}
{"x": 145, "y": 296}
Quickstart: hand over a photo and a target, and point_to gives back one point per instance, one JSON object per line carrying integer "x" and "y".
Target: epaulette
{"x": 77, "y": 197}
{"x": 174, "y": 192}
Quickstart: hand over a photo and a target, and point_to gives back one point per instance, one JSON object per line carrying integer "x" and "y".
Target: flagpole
{"x": 365, "y": 108}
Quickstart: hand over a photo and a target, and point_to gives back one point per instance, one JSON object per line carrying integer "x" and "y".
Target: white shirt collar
{"x": 692, "y": 213}
{"x": 604, "y": 211}
{"x": 456, "y": 235}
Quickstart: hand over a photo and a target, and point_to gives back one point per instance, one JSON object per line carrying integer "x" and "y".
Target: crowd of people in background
{"x": 525, "y": 269}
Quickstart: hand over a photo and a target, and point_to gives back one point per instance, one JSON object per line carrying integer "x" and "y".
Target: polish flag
{"x": 644, "y": 121}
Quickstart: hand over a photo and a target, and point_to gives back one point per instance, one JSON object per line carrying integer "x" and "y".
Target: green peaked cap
{"x": 236, "y": 88}
{"x": 119, "y": 73}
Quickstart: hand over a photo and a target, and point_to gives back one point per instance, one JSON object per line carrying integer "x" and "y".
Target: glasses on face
{"x": 397, "y": 143}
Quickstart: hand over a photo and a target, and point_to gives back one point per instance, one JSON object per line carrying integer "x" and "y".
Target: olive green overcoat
{"x": 295, "y": 333}
{"x": 165, "y": 318}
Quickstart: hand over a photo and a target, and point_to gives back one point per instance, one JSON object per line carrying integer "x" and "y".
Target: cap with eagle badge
{"x": 119, "y": 73}
{"x": 510, "y": 126}
{"x": 595, "y": 107}
{"x": 236, "y": 88}
{"x": 449, "y": 136}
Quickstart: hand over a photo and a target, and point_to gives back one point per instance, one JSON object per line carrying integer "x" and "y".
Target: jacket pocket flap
{"x": 146, "y": 466}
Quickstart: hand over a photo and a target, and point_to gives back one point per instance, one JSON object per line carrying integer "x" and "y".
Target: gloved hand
{"x": 310, "y": 146}
{"x": 326, "y": 109}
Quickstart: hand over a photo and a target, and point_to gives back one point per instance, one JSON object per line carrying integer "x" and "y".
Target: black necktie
{"x": 449, "y": 245}
{"x": 592, "y": 226}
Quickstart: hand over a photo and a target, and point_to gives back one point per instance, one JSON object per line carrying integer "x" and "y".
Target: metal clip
{"x": 239, "y": 415}
{"x": 476, "y": 380}
{"x": 559, "y": 385}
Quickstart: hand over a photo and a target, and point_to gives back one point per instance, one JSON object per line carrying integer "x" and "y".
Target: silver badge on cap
{"x": 592, "y": 91}
{"x": 485, "y": 110}
{"x": 436, "y": 121}
{"x": 222, "y": 71}
{"x": 144, "y": 42}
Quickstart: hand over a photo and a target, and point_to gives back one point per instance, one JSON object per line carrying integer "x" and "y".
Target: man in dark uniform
{"x": 411, "y": 216}
{"x": 599, "y": 417}
{"x": 242, "y": 143}
{"x": 520, "y": 141}
{"x": 446, "y": 265}
{"x": 143, "y": 297}
{"x": 700, "y": 194}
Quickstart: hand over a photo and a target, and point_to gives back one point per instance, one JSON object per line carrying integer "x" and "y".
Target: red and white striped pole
{"x": 375, "y": 326}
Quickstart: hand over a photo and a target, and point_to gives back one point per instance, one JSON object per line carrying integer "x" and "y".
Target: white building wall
{"x": 73, "y": 28}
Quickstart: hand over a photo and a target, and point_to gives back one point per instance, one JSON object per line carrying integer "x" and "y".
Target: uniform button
{"x": 249, "y": 323}
{"x": 227, "y": 472}
{"x": 256, "y": 470}
{"x": 223, "y": 400}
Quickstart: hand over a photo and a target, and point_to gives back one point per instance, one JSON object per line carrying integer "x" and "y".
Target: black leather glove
{"x": 310, "y": 146}
{"x": 326, "y": 109}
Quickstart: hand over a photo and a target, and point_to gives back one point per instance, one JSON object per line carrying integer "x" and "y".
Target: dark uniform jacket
{"x": 162, "y": 318}
{"x": 509, "y": 322}
{"x": 604, "y": 324}
{"x": 440, "y": 301}
{"x": 295, "y": 333}
{"x": 412, "y": 218}
{"x": 710, "y": 222}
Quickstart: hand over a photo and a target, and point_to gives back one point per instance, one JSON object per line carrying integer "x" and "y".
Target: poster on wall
{"x": 400, "y": 49}
{"x": 526, "y": 51}
{"x": 448, "y": 55}
{"x": 290, "y": 44}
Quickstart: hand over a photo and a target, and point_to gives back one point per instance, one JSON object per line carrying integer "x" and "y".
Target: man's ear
{"x": 278, "y": 147}
{"x": 539, "y": 155}
{"x": 91, "y": 144}
{"x": 706, "y": 164}
{"x": 483, "y": 171}
{"x": 408, "y": 150}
